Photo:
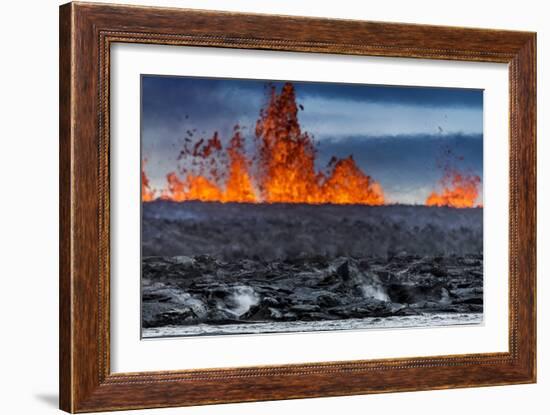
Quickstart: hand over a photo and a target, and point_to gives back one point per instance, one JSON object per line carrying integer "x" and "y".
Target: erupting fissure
{"x": 281, "y": 170}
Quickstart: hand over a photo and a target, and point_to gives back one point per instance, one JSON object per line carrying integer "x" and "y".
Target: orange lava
{"x": 459, "y": 191}
{"x": 282, "y": 169}
{"x": 239, "y": 186}
{"x": 147, "y": 194}
{"x": 347, "y": 184}
{"x": 191, "y": 188}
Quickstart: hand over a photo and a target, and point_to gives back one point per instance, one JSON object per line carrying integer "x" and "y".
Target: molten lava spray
{"x": 283, "y": 166}
{"x": 459, "y": 190}
{"x": 347, "y": 184}
{"x": 147, "y": 194}
{"x": 286, "y": 155}
{"x": 239, "y": 187}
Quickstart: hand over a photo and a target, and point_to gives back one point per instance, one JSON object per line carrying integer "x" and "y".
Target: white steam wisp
{"x": 243, "y": 298}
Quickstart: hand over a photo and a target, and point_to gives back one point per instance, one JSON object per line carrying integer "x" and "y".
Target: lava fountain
{"x": 459, "y": 190}
{"x": 147, "y": 194}
{"x": 281, "y": 169}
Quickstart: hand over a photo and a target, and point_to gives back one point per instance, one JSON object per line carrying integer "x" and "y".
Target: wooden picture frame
{"x": 86, "y": 33}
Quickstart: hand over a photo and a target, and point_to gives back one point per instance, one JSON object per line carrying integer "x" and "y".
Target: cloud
{"x": 327, "y": 117}
{"x": 430, "y": 97}
{"x": 330, "y": 109}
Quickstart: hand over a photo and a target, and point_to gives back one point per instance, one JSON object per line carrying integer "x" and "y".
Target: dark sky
{"x": 396, "y": 134}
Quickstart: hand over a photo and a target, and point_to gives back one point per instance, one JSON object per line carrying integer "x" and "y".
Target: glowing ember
{"x": 284, "y": 164}
{"x": 459, "y": 190}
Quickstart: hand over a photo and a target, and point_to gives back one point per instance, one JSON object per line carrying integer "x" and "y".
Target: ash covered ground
{"x": 211, "y": 268}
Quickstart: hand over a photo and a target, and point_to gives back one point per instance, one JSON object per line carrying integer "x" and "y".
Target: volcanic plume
{"x": 281, "y": 168}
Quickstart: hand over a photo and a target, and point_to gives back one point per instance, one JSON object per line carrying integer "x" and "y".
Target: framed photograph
{"x": 260, "y": 207}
